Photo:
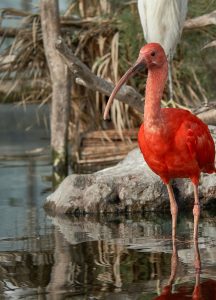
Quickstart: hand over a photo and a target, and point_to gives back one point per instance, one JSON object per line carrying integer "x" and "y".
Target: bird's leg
{"x": 173, "y": 209}
{"x": 196, "y": 211}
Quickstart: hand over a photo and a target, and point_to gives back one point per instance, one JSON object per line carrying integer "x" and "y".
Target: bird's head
{"x": 151, "y": 56}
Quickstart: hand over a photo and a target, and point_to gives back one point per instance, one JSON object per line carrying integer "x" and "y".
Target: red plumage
{"x": 182, "y": 148}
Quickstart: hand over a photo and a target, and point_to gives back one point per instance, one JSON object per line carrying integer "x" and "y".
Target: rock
{"x": 129, "y": 186}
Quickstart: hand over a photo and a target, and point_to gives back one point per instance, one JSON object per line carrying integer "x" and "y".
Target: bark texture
{"x": 61, "y": 85}
{"x": 85, "y": 77}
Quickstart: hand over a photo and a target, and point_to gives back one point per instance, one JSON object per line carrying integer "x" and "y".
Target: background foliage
{"x": 107, "y": 35}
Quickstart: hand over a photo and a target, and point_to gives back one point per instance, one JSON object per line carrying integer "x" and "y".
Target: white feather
{"x": 162, "y": 21}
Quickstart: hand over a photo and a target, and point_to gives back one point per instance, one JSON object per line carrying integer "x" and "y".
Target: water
{"x": 106, "y": 257}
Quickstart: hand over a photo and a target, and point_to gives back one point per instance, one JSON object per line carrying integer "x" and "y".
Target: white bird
{"x": 162, "y": 22}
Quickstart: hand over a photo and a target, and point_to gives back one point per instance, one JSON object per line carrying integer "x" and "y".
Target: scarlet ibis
{"x": 162, "y": 22}
{"x": 174, "y": 142}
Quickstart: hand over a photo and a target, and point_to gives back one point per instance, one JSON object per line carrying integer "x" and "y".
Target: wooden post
{"x": 61, "y": 87}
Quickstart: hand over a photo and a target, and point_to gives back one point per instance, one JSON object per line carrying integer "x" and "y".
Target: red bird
{"x": 174, "y": 142}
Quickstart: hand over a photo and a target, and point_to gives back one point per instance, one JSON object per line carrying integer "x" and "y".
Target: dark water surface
{"x": 109, "y": 257}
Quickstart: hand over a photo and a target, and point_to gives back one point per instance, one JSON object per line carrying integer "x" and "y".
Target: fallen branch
{"x": 211, "y": 44}
{"x": 207, "y": 114}
{"x": 209, "y": 117}
{"x": 85, "y": 77}
{"x": 204, "y": 20}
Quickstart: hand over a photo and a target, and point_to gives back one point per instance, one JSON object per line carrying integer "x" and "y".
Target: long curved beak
{"x": 139, "y": 64}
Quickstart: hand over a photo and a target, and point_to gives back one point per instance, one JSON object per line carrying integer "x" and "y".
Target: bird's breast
{"x": 157, "y": 141}
{"x": 154, "y": 145}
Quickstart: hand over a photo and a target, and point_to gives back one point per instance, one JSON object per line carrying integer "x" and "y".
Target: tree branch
{"x": 207, "y": 114}
{"x": 85, "y": 77}
{"x": 204, "y": 20}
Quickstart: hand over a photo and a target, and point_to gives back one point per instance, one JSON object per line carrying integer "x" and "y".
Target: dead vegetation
{"x": 106, "y": 37}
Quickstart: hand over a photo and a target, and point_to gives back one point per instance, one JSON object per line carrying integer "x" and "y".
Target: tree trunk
{"x": 61, "y": 86}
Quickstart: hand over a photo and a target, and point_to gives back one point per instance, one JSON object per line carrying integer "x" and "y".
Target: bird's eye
{"x": 153, "y": 53}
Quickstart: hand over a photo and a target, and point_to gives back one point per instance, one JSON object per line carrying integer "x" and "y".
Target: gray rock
{"x": 127, "y": 187}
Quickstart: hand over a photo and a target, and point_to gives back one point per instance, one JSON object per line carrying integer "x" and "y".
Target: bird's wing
{"x": 142, "y": 9}
{"x": 182, "y": 8}
{"x": 191, "y": 137}
{"x": 200, "y": 144}
{"x": 172, "y": 18}
{"x": 180, "y": 14}
{"x": 162, "y": 21}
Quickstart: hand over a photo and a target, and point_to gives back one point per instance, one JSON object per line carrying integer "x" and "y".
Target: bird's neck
{"x": 154, "y": 91}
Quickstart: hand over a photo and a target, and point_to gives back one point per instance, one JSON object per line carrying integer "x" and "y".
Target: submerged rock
{"x": 127, "y": 187}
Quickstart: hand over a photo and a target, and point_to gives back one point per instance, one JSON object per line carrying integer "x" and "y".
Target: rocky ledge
{"x": 130, "y": 186}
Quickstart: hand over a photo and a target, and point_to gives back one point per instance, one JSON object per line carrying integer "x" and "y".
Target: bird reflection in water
{"x": 202, "y": 291}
